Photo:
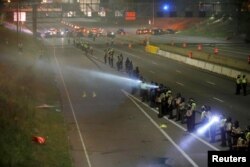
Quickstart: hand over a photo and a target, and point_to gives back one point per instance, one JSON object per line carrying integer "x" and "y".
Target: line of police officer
{"x": 84, "y": 46}
{"x": 160, "y": 97}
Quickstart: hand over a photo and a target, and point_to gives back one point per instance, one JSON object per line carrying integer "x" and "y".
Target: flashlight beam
{"x": 162, "y": 131}
{"x": 177, "y": 125}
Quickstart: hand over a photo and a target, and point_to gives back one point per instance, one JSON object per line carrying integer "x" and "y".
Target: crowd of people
{"x": 83, "y": 45}
{"x": 178, "y": 108}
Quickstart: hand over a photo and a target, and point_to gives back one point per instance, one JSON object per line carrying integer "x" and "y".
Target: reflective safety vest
{"x": 193, "y": 106}
{"x": 238, "y": 80}
{"x": 223, "y": 122}
{"x": 143, "y": 86}
{"x": 244, "y": 81}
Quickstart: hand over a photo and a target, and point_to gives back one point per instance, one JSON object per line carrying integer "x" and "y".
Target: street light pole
{"x": 153, "y": 21}
{"x": 17, "y": 25}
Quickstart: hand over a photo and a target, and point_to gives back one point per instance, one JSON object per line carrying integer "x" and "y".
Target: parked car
{"x": 157, "y": 31}
{"x": 169, "y": 31}
{"x": 121, "y": 31}
{"x": 111, "y": 34}
{"x": 140, "y": 31}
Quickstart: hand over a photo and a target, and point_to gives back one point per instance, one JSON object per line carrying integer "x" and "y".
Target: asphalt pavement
{"x": 109, "y": 127}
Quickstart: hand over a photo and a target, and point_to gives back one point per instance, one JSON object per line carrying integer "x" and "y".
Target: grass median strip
{"x": 23, "y": 87}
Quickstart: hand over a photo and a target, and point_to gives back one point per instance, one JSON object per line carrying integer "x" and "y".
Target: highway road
{"x": 235, "y": 48}
{"x": 110, "y": 127}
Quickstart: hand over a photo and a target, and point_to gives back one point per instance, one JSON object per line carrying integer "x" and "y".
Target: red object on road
{"x": 39, "y": 139}
{"x": 199, "y": 47}
{"x": 248, "y": 59}
{"x": 216, "y": 50}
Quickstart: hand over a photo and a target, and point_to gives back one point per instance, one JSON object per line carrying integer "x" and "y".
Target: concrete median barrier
{"x": 219, "y": 69}
{"x": 201, "y": 64}
{"x": 226, "y": 71}
{"x": 209, "y": 66}
{"x": 218, "y": 59}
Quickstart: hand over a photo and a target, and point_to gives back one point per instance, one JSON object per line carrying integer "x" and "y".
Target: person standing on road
{"x": 213, "y": 127}
{"x": 222, "y": 131}
{"x": 121, "y": 62}
{"x": 112, "y": 60}
{"x": 162, "y": 103}
{"x": 105, "y": 57}
{"x": 191, "y": 115}
{"x": 177, "y": 106}
{"x": 91, "y": 50}
{"x": 20, "y": 46}
{"x": 127, "y": 65}
{"x": 182, "y": 109}
{"x": 205, "y": 114}
{"x": 228, "y": 128}
{"x": 244, "y": 85}
{"x": 238, "y": 85}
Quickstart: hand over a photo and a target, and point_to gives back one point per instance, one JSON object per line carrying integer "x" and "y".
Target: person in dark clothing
{"x": 109, "y": 59}
{"x": 222, "y": 130}
{"x": 105, "y": 58}
{"x": 244, "y": 85}
{"x": 152, "y": 94}
{"x": 190, "y": 115}
{"x": 112, "y": 60}
{"x": 121, "y": 61}
{"x": 182, "y": 108}
{"x": 127, "y": 65}
{"x": 212, "y": 128}
{"x": 238, "y": 85}
{"x": 228, "y": 128}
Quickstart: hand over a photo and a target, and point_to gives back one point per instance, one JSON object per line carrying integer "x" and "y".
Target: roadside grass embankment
{"x": 218, "y": 59}
{"x": 23, "y": 86}
{"x": 213, "y": 27}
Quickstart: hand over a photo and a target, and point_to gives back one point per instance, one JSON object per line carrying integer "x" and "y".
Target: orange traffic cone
{"x": 190, "y": 54}
{"x": 216, "y": 51}
{"x": 199, "y": 47}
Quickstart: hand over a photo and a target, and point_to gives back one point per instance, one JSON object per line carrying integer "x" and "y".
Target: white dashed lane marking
{"x": 151, "y": 71}
{"x": 180, "y": 83}
{"x": 154, "y": 63}
{"x": 215, "y": 98}
{"x": 178, "y": 71}
{"x": 211, "y": 83}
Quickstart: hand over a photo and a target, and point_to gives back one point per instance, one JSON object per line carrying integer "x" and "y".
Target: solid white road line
{"x": 215, "y": 98}
{"x": 177, "y": 125}
{"x": 72, "y": 110}
{"x": 162, "y": 131}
